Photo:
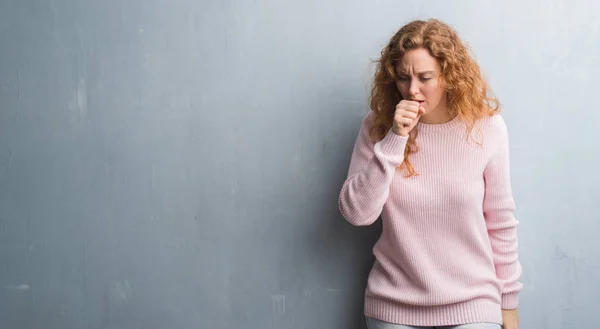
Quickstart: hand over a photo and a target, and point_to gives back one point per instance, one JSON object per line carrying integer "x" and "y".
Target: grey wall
{"x": 176, "y": 164}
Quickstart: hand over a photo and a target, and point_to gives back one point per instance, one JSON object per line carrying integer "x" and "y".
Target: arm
{"x": 498, "y": 208}
{"x": 372, "y": 169}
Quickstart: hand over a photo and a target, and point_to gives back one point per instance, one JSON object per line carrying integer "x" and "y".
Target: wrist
{"x": 399, "y": 132}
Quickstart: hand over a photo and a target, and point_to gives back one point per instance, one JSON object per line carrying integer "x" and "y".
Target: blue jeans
{"x": 373, "y": 323}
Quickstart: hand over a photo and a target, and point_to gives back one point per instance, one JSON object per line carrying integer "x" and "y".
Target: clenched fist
{"x": 406, "y": 116}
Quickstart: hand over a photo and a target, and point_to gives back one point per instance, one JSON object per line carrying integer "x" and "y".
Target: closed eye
{"x": 404, "y": 78}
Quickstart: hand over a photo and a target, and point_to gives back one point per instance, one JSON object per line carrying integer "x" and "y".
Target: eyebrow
{"x": 418, "y": 73}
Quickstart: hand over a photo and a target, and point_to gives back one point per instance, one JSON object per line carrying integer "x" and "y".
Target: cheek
{"x": 433, "y": 93}
{"x": 403, "y": 90}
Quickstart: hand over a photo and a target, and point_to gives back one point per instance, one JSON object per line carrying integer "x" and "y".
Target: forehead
{"x": 416, "y": 61}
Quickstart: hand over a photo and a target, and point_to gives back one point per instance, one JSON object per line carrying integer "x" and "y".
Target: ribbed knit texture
{"x": 448, "y": 251}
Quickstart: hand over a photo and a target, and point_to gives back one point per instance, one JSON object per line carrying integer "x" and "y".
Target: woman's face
{"x": 419, "y": 79}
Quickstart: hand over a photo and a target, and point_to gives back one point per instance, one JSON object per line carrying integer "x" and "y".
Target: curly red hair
{"x": 467, "y": 92}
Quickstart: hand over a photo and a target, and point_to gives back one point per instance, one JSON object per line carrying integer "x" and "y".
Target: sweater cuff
{"x": 510, "y": 301}
{"x": 393, "y": 144}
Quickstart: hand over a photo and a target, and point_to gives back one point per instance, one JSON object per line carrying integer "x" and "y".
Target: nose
{"x": 414, "y": 87}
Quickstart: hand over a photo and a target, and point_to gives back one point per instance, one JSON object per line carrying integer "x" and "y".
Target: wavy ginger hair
{"x": 466, "y": 89}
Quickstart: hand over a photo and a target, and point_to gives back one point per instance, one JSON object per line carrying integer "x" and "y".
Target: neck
{"x": 437, "y": 116}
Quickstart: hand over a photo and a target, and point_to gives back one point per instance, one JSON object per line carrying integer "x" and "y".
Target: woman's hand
{"x": 406, "y": 116}
{"x": 510, "y": 319}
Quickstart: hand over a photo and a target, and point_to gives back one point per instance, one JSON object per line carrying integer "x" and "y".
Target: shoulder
{"x": 495, "y": 135}
{"x": 369, "y": 119}
{"x": 493, "y": 123}
{"x": 494, "y": 126}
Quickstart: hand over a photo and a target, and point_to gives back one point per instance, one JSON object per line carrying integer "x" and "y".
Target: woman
{"x": 432, "y": 158}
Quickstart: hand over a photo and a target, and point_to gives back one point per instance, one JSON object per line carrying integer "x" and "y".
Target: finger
{"x": 411, "y": 108}
{"x": 411, "y": 115}
{"x": 405, "y": 115}
{"x": 421, "y": 110}
{"x": 401, "y": 123}
{"x": 405, "y": 102}
{"x": 414, "y": 103}
{"x": 407, "y": 107}
{"x": 405, "y": 121}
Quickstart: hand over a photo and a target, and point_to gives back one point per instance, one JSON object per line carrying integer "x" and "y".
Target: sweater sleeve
{"x": 371, "y": 171}
{"x": 499, "y": 207}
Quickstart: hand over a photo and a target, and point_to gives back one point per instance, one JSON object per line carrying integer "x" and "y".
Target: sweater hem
{"x": 473, "y": 311}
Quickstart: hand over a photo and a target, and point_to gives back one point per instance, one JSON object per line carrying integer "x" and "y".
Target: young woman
{"x": 432, "y": 159}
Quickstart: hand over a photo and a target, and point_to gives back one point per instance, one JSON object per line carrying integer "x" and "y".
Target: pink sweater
{"x": 448, "y": 251}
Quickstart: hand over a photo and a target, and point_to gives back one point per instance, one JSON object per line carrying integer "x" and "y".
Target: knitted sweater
{"x": 448, "y": 253}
